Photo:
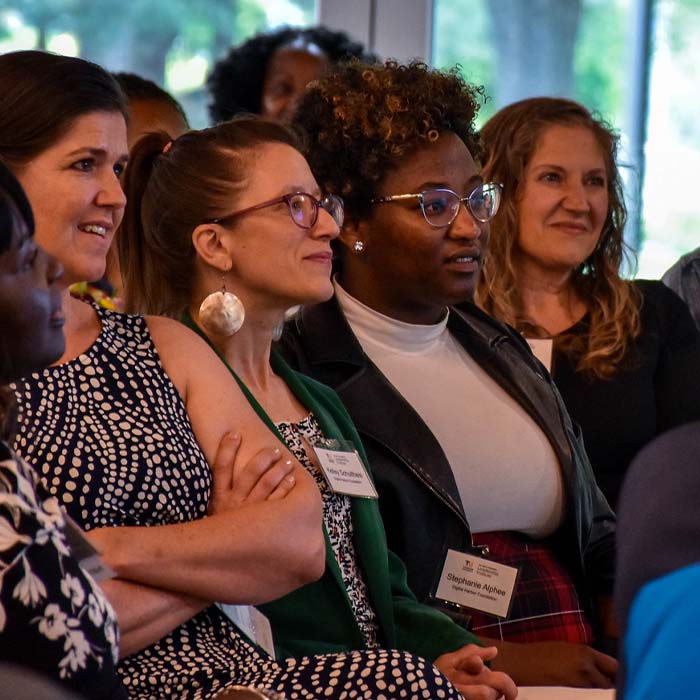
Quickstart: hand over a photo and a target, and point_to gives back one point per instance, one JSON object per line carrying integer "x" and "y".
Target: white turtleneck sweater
{"x": 506, "y": 471}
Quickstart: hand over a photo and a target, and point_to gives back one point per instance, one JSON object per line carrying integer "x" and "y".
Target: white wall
{"x": 398, "y": 29}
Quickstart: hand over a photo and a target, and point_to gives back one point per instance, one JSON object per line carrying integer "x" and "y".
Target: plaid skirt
{"x": 545, "y": 607}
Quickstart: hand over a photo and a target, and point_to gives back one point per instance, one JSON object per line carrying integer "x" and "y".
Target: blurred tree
{"x": 599, "y": 63}
{"x": 534, "y": 44}
{"x": 462, "y": 35}
{"x": 46, "y": 16}
{"x": 683, "y": 28}
{"x": 249, "y": 19}
{"x": 139, "y": 35}
{"x": 516, "y": 49}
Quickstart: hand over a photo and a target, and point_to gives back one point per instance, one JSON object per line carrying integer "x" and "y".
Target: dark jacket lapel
{"x": 336, "y": 358}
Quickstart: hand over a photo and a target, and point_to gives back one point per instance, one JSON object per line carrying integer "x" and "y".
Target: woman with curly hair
{"x": 625, "y": 355}
{"x": 470, "y": 444}
{"x": 268, "y": 74}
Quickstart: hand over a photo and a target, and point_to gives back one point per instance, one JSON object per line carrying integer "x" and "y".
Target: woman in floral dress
{"x": 53, "y": 616}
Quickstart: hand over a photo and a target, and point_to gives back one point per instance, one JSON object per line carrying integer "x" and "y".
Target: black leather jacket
{"x": 419, "y": 501}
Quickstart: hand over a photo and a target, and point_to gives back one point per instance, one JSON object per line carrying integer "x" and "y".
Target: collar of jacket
{"x": 335, "y": 357}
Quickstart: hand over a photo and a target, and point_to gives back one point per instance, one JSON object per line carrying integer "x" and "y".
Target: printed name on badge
{"x": 477, "y": 583}
{"x": 345, "y": 471}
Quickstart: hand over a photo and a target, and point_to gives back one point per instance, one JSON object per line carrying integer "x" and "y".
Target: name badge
{"x": 344, "y": 470}
{"x": 252, "y": 623}
{"x": 542, "y": 350}
{"x": 474, "y": 582}
{"x": 81, "y": 548}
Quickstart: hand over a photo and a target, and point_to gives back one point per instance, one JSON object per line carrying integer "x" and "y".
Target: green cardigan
{"x": 318, "y": 618}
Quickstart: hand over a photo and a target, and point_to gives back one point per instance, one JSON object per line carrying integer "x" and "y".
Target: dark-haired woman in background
{"x": 53, "y": 617}
{"x": 467, "y": 437}
{"x": 150, "y": 108}
{"x": 625, "y": 355}
{"x": 268, "y": 73}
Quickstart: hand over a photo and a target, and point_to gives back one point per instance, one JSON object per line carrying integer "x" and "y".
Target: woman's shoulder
{"x": 175, "y": 341}
{"x": 318, "y": 390}
{"x": 657, "y": 296}
{"x": 656, "y": 292}
{"x": 183, "y": 353}
{"x": 321, "y": 393}
{"x": 166, "y": 331}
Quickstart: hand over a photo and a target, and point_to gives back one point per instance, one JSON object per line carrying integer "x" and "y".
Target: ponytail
{"x": 137, "y": 245}
{"x": 171, "y": 188}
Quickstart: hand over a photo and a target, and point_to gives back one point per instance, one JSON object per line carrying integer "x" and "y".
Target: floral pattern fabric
{"x": 53, "y": 616}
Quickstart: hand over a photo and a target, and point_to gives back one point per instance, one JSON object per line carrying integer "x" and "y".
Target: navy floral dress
{"x": 53, "y": 616}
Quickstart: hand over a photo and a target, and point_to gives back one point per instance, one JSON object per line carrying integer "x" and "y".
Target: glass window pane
{"x": 671, "y": 200}
{"x": 572, "y": 48}
{"x": 583, "y": 49}
{"x": 173, "y": 42}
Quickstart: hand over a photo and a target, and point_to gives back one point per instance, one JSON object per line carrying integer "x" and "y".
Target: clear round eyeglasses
{"x": 440, "y": 206}
{"x": 303, "y": 209}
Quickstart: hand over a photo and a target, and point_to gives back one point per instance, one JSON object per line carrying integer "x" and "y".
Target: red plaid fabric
{"x": 545, "y": 607}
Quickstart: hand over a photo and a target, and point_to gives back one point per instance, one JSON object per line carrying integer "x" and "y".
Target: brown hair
{"x": 363, "y": 117}
{"x": 171, "y": 188}
{"x": 510, "y": 139}
{"x": 43, "y": 94}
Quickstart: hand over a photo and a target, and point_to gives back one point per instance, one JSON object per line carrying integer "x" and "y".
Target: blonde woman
{"x": 624, "y": 354}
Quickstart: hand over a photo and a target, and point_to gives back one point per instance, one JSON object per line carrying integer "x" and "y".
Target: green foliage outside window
{"x": 173, "y": 42}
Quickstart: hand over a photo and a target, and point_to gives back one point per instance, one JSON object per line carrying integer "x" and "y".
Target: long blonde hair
{"x": 510, "y": 138}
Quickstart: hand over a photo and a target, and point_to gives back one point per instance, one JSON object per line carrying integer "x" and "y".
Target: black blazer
{"x": 419, "y": 500}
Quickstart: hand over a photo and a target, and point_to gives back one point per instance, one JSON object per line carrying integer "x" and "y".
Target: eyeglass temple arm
{"x": 396, "y": 197}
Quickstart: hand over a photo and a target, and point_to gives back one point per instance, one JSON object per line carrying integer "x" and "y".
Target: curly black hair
{"x": 13, "y": 204}
{"x": 357, "y": 123}
{"x": 236, "y": 81}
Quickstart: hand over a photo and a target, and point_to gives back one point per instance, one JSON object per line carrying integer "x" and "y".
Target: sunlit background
{"x": 640, "y": 71}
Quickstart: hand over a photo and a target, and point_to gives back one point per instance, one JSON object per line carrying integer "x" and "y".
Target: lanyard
{"x": 328, "y": 425}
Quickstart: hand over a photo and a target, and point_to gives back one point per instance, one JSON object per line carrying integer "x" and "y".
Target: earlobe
{"x": 211, "y": 246}
{"x": 354, "y": 236}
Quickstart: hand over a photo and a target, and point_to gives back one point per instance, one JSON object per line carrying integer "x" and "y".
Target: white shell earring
{"x": 358, "y": 246}
{"x": 222, "y": 313}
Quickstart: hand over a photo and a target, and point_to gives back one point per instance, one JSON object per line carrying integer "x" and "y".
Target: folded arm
{"x": 245, "y": 552}
{"x": 145, "y": 614}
